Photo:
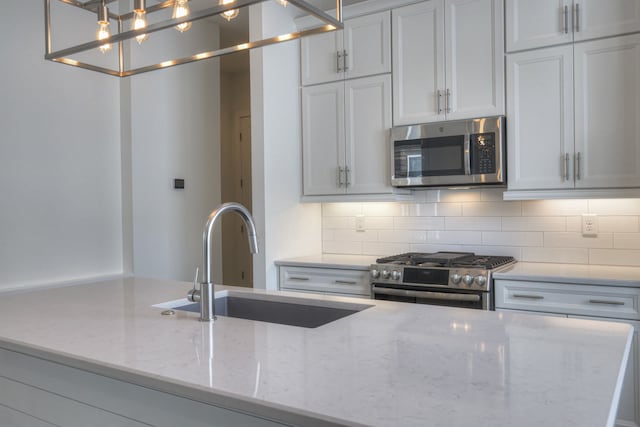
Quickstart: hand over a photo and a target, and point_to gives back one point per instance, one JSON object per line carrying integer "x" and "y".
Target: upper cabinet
{"x": 448, "y": 60}
{"x": 538, "y": 23}
{"x": 362, "y": 48}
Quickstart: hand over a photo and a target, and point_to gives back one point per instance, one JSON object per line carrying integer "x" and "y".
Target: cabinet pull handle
{"x": 345, "y": 67}
{"x": 338, "y": 57}
{"x": 347, "y": 176}
{"x": 439, "y": 100}
{"x": 345, "y": 282}
{"x": 527, "y": 296}
{"x": 447, "y": 102}
{"x": 576, "y": 17}
{"x": 566, "y": 19}
{"x": 340, "y": 182}
{"x": 577, "y": 166}
{"x": 299, "y": 279}
{"x": 565, "y": 172}
{"x": 602, "y": 301}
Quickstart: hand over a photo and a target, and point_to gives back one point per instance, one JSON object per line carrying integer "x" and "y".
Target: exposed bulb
{"x": 229, "y": 14}
{"x": 139, "y": 22}
{"x": 283, "y": 3}
{"x": 180, "y": 10}
{"x": 103, "y": 33}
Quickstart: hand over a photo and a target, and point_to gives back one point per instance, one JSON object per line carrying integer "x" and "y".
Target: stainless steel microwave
{"x": 448, "y": 154}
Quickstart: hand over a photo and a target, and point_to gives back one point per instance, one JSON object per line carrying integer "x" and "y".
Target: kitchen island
{"x": 105, "y": 347}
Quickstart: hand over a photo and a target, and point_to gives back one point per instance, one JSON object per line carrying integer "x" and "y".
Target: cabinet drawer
{"x": 584, "y": 300}
{"x": 325, "y": 280}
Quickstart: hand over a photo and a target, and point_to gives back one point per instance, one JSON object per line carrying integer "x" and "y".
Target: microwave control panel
{"x": 483, "y": 153}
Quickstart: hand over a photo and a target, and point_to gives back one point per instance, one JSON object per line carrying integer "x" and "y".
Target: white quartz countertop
{"x": 392, "y": 364}
{"x": 572, "y": 273}
{"x": 351, "y": 262}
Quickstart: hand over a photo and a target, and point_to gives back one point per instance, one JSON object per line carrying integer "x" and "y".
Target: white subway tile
{"x": 402, "y": 236}
{"x": 355, "y": 236}
{"x": 454, "y": 196}
{"x": 382, "y": 209}
{"x": 626, "y": 240}
{"x": 615, "y": 206}
{"x": 512, "y": 238}
{"x": 341, "y": 209}
{"x": 513, "y": 251}
{"x": 376, "y": 223}
{"x": 534, "y": 223}
{"x": 492, "y": 194}
{"x": 327, "y": 234}
{"x": 557, "y": 255}
{"x": 419, "y": 223}
{"x": 419, "y": 209}
{"x": 431, "y": 248}
{"x": 618, "y": 224}
{"x": 554, "y": 207}
{"x": 473, "y": 223}
{"x": 576, "y": 240}
{"x": 574, "y": 223}
{"x": 344, "y": 222}
{"x": 454, "y": 237}
{"x": 384, "y": 249}
{"x": 512, "y": 208}
{"x": 615, "y": 257}
{"x": 349, "y": 248}
{"x": 448, "y": 209}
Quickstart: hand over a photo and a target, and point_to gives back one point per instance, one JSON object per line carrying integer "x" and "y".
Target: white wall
{"x": 60, "y": 187}
{"x": 286, "y": 228}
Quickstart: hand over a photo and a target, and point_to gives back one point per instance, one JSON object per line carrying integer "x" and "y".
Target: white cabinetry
{"x": 604, "y": 303}
{"x": 345, "y": 129}
{"x": 538, "y": 23}
{"x": 602, "y": 150}
{"x": 362, "y": 48}
{"x": 334, "y": 281}
{"x": 447, "y": 60}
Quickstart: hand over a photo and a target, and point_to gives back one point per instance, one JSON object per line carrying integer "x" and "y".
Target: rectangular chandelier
{"x": 125, "y": 38}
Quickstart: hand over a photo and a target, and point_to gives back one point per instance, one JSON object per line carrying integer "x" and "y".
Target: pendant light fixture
{"x": 124, "y": 60}
{"x": 140, "y": 19}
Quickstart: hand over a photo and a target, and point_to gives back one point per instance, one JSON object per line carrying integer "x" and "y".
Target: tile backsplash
{"x": 480, "y": 221}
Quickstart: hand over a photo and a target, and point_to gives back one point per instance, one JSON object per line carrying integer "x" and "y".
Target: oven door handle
{"x": 425, "y": 294}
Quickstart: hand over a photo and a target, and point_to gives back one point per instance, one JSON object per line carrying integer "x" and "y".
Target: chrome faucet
{"x": 205, "y": 295}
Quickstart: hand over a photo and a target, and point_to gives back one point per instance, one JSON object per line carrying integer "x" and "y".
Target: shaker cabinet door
{"x": 538, "y": 23}
{"x": 319, "y": 62}
{"x": 597, "y": 18}
{"x": 367, "y": 45}
{"x": 540, "y": 119}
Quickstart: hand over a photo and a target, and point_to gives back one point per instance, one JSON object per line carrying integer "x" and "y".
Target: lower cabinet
{"x": 333, "y": 281}
{"x": 603, "y": 303}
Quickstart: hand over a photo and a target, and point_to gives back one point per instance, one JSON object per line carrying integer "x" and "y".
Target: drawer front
{"x": 325, "y": 280}
{"x": 562, "y": 298}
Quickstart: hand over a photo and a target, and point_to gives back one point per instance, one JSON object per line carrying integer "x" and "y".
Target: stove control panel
{"x": 476, "y": 279}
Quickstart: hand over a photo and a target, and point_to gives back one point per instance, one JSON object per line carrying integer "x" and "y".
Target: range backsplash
{"x": 480, "y": 221}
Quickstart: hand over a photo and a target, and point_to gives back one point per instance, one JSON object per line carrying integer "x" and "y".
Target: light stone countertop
{"x": 392, "y": 364}
{"x": 351, "y": 262}
{"x": 573, "y": 273}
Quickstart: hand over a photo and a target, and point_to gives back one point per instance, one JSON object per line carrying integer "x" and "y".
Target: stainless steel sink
{"x": 306, "y": 313}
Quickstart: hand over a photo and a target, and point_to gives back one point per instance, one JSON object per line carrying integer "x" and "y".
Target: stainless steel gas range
{"x": 454, "y": 279}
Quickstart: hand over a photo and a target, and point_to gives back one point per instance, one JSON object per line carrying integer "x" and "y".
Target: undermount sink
{"x": 284, "y": 310}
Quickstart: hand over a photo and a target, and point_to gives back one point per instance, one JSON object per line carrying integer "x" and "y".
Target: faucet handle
{"x": 194, "y": 294}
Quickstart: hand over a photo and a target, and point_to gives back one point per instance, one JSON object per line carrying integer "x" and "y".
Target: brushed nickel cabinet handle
{"x": 340, "y": 181}
{"x": 447, "y": 101}
{"x": 338, "y": 57}
{"x": 345, "y": 67}
{"x": 606, "y": 302}
{"x": 528, "y": 296}
{"x": 565, "y": 172}
{"x": 345, "y": 282}
{"x": 439, "y": 100}
{"x": 347, "y": 176}
{"x": 576, "y": 17}
{"x": 566, "y": 19}
{"x": 299, "y": 279}
{"x": 577, "y": 166}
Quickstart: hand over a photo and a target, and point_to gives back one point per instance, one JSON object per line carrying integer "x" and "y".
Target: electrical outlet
{"x": 359, "y": 222}
{"x": 590, "y": 225}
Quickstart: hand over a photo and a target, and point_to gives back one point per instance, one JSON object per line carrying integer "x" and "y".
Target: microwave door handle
{"x": 467, "y": 154}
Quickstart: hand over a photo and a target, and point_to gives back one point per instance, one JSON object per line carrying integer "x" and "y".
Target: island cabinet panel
{"x": 65, "y": 396}
{"x": 333, "y": 281}
{"x": 10, "y": 417}
{"x": 603, "y": 303}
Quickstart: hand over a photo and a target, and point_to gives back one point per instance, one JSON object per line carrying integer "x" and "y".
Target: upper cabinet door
{"x": 418, "y": 63}
{"x": 474, "y": 52}
{"x": 540, "y": 119}
{"x": 607, "y": 113}
{"x": 538, "y": 23}
{"x": 319, "y": 58}
{"x": 598, "y": 18}
{"x": 367, "y": 45}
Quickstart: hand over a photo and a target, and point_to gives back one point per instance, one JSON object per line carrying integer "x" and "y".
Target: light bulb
{"x": 180, "y": 10}
{"x": 103, "y": 33}
{"x": 229, "y": 14}
{"x": 139, "y": 22}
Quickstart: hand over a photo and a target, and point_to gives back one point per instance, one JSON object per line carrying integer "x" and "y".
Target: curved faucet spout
{"x": 206, "y": 295}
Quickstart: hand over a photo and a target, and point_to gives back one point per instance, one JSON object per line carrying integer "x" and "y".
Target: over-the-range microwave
{"x": 449, "y": 154}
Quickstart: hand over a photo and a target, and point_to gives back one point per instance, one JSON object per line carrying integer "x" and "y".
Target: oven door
{"x": 477, "y": 300}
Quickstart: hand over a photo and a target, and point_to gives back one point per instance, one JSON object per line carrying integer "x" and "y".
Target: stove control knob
{"x": 385, "y": 274}
{"x": 467, "y": 279}
{"x": 374, "y": 273}
{"x": 395, "y": 275}
{"x": 481, "y": 281}
{"x": 455, "y": 278}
